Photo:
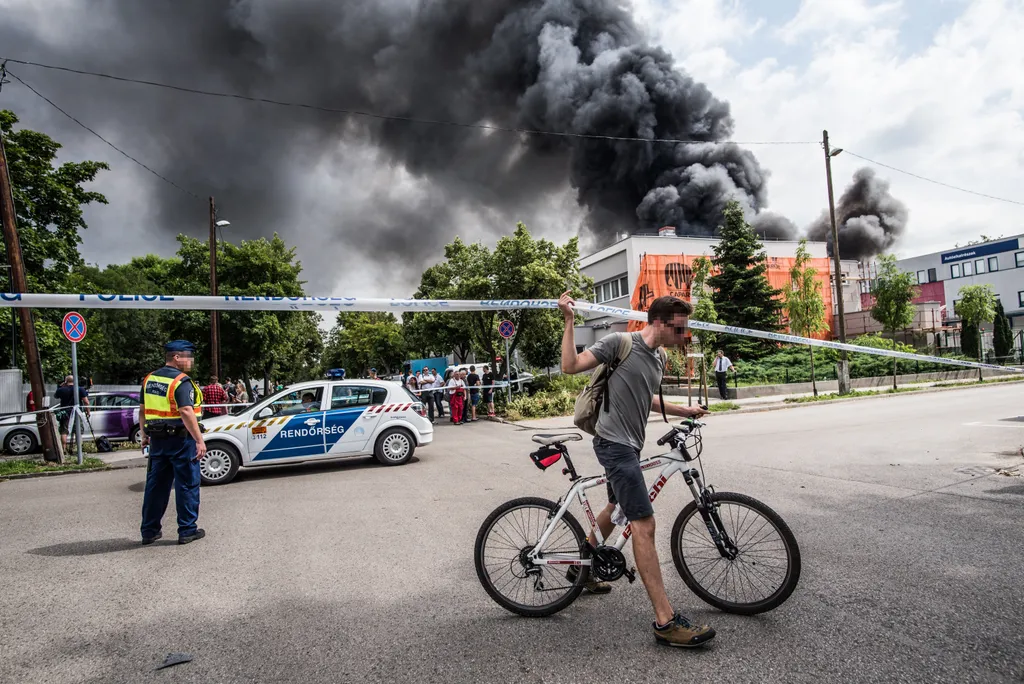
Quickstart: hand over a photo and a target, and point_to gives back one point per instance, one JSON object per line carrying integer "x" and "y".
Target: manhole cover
{"x": 974, "y": 471}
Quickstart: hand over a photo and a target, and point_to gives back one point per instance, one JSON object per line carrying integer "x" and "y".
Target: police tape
{"x": 236, "y": 302}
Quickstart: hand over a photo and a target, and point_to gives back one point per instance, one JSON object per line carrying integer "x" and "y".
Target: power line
{"x": 931, "y": 180}
{"x": 10, "y": 73}
{"x": 407, "y": 119}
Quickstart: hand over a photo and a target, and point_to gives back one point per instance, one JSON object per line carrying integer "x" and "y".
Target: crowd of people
{"x": 463, "y": 391}
{"x": 227, "y": 393}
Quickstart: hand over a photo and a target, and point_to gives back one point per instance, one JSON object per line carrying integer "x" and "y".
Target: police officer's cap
{"x": 179, "y": 346}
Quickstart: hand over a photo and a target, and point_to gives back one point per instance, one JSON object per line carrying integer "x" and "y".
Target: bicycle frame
{"x": 674, "y": 462}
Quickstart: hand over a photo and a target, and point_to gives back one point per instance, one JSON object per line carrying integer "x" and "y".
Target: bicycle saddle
{"x": 558, "y": 438}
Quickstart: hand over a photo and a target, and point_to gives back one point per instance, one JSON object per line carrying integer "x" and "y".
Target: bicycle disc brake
{"x": 608, "y": 564}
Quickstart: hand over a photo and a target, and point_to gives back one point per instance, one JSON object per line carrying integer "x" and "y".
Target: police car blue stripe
{"x": 301, "y": 437}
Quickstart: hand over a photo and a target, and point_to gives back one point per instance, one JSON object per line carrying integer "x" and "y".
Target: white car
{"x": 319, "y": 420}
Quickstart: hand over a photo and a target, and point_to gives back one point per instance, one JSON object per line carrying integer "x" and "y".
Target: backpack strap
{"x": 661, "y": 397}
{"x": 624, "y": 348}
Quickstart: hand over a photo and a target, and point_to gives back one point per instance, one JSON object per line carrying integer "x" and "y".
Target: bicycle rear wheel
{"x": 502, "y": 544}
{"x": 766, "y": 568}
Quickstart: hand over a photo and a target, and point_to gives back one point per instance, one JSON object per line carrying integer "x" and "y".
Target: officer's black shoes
{"x": 199, "y": 534}
{"x": 150, "y": 540}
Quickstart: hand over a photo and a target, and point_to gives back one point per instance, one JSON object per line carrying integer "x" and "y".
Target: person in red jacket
{"x": 456, "y": 398}
{"x": 30, "y": 403}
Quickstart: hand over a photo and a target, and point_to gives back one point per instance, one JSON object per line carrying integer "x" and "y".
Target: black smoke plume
{"x": 869, "y": 219}
{"x": 570, "y": 66}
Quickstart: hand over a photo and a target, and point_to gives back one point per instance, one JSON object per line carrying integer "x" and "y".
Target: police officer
{"x": 169, "y": 425}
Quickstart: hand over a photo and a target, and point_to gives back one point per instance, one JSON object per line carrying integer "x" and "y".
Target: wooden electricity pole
{"x": 214, "y": 315}
{"x": 28, "y": 331}
{"x": 842, "y": 366}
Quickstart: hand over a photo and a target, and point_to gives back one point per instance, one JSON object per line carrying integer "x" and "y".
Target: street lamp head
{"x": 836, "y": 152}
{"x": 223, "y": 223}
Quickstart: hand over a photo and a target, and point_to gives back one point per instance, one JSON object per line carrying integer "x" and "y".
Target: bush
{"x": 541, "y": 405}
{"x": 793, "y": 364}
{"x": 560, "y": 382}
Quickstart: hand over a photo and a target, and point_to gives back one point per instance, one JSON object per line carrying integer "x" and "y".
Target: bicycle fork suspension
{"x": 708, "y": 510}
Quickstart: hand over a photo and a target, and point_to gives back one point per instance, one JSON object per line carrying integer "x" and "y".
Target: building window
{"x": 615, "y": 289}
{"x": 955, "y": 302}
{"x": 624, "y": 286}
{"x": 979, "y": 266}
{"x": 968, "y": 268}
{"x": 993, "y": 264}
{"x": 1020, "y": 299}
{"x": 1019, "y": 256}
{"x": 932, "y": 275}
{"x": 922, "y": 277}
{"x": 954, "y": 271}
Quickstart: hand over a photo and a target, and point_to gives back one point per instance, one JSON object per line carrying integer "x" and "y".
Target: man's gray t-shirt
{"x": 630, "y": 389}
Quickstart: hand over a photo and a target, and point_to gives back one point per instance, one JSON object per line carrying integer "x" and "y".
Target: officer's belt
{"x": 165, "y": 430}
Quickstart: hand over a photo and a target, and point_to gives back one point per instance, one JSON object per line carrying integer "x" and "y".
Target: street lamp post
{"x": 842, "y": 366}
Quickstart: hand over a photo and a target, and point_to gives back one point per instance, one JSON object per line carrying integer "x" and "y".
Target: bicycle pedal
{"x": 630, "y": 575}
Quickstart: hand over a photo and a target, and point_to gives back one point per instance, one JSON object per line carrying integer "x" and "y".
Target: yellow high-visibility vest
{"x": 164, "y": 407}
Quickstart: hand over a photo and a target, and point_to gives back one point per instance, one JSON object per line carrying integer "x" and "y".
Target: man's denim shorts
{"x": 626, "y": 484}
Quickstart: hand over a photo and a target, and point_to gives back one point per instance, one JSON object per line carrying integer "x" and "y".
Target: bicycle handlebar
{"x": 688, "y": 426}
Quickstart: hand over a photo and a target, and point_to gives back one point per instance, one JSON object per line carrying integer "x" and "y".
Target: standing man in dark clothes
{"x": 65, "y": 394}
{"x": 473, "y": 382}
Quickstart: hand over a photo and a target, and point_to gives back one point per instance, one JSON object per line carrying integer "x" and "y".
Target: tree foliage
{"x": 894, "y": 290}
{"x": 804, "y": 304}
{"x": 519, "y": 267}
{"x": 977, "y": 305}
{"x": 742, "y": 294}
{"x": 1002, "y": 339}
{"x": 360, "y": 341}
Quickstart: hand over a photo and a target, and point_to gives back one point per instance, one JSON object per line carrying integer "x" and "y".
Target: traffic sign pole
{"x": 74, "y": 328}
{"x": 75, "y": 415}
{"x": 508, "y": 364}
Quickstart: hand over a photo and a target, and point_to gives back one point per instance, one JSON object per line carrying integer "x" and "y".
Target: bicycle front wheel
{"x": 506, "y": 538}
{"x": 765, "y": 570}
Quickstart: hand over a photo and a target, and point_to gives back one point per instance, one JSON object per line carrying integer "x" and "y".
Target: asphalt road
{"x": 355, "y": 572}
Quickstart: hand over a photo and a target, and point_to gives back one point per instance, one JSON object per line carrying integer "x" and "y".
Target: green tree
{"x": 438, "y": 334}
{"x": 519, "y": 267}
{"x": 704, "y": 310}
{"x": 1002, "y": 339}
{"x": 969, "y": 334}
{"x": 542, "y": 347}
{"x": 893, "y": 291}
{"x": 48, "y": 202}
{"x": 977, "y": 305}
{"x": 804, "y": 304}
{"x": 742, "y": 295}
{"x": 363, "y": 340}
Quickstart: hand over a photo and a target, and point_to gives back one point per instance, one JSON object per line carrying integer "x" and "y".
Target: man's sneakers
{"x": 592, "y": 586}
{"x": 149, "y": 540}
{"x": 680, "y": 632}
{"x": 198, "y": 534}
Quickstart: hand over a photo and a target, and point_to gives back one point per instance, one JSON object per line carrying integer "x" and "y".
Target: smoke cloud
{"x": 395, "y": 190}
{"x": 868, "y": 217}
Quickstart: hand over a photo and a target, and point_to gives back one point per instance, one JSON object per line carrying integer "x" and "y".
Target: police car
{"x": 317, "y": 420}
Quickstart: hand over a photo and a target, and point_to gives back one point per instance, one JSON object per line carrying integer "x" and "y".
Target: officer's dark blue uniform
{"x": 172, "y": 450}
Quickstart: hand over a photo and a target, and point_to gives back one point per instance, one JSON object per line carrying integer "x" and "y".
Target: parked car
{"x": 318, "y": 420}
{"x": 114, "y": 415}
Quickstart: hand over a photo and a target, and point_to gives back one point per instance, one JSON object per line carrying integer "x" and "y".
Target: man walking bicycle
{"x": 620, "y": 437}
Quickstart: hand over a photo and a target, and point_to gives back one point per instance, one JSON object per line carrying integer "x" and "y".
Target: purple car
{"x": 114, "y": 415}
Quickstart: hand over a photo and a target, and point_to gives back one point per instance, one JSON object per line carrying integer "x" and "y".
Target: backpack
{"x": 594, "y": 398}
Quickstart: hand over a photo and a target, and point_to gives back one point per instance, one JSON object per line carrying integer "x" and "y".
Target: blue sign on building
{"x": 980, "y": 250}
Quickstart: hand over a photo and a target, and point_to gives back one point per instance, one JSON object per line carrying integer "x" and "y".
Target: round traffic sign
{"x": 506, "y": 329}
{"x": 73, "y": 326}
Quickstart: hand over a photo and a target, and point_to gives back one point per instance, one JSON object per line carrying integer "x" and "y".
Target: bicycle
{"x": 720, "y": 541}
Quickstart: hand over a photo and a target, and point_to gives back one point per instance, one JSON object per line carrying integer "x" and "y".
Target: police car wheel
{"x": 219, "y": 465}
{"x": 395, "y": 447}
{"x": 20, "y": 442}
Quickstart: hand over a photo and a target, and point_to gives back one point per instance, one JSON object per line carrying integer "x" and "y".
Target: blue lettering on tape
{"x": 8, "y": 297}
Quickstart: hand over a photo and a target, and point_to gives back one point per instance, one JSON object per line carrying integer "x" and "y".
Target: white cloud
{"x": 951, "y": 110}
{"x": 823, "y": 18}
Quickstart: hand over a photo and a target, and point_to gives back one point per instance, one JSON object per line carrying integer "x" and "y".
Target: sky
{"x": 929, "y": 86}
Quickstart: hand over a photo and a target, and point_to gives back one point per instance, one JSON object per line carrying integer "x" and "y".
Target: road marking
{"x": 997, "y": 425}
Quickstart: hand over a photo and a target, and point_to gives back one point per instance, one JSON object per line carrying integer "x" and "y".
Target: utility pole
{"x": 214, "y": 315}
{"x": 28, "y": 330}
{"x": 842, "y": 366}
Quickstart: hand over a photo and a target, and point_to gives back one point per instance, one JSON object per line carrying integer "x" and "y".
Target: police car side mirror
{"x": 265, "y": 412}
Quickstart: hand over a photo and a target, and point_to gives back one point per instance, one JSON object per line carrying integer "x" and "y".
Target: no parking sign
{"x": 73, "y": 326}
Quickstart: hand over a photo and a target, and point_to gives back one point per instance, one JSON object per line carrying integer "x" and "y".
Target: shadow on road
{"x": 312, "y": 468}
{"x": 1012, "y": 489}
{"x": 87, "y": 548}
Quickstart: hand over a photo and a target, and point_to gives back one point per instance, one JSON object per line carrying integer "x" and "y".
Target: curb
{"x": 52, "y": 473}
{"x": 792, "y": 405}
